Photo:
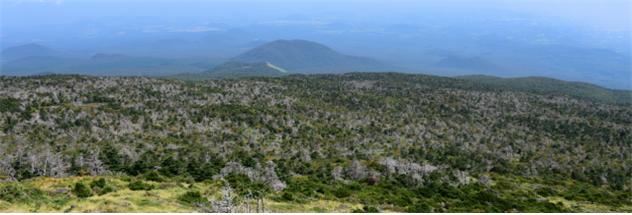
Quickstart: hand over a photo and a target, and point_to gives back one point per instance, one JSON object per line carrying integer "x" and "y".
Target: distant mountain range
{"x": 34, "y": 59}
{"x": 301, "y": 56}
{"x": 268, "y": 59}
{"x": 273, "y": 59}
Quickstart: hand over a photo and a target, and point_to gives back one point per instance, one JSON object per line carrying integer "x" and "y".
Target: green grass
{"x": 56, "y": 195}
{"x": 305, "y": 194}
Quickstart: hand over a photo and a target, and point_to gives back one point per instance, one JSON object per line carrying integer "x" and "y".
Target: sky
{"x": 613, "y": 14}
{"x": 603, "y": 14}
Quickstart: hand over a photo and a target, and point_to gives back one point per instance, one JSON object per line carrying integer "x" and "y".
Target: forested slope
{"x": 373, "y": 142}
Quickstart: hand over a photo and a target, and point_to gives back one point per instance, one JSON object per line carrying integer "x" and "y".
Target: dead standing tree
{"x": 252, "y": 202}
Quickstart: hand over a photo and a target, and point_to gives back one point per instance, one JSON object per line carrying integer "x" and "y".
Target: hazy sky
{"x": 595, "y": 13}
{"x": 608, "y": 14}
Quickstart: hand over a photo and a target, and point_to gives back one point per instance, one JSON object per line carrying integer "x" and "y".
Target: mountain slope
{"x": 308, "y": 57}
{"x": 362, "y": 142}
{"x": 542, "y": 85}
{"x": 237, "y": 69}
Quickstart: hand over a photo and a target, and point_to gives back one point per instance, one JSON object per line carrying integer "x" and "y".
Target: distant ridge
{"x": 302, "y": 56}
{"x": 27, "y": 50}
{"x": 239, "y": 69}
{"x": 106, "y": 56}
{"x": 544, "y": 85}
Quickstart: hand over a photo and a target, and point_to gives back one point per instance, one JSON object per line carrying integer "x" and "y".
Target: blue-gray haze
{"x": 578, "y": 40}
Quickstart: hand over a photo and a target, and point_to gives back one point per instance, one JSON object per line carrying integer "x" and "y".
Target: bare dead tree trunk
{"x": 258, "y": 208}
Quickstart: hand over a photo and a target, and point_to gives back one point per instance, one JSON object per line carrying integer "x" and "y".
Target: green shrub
{"x": 419, "y": 207}
{"x": 100, "y": 183}
{"x": 81, "y": 190}
{"x": 342, "y": 192}
{"x": 544, "y": 206}
{"x": 287, "y": 196}
{"x": 201, "y": 171}
{"x": 13, "y": 192}
{"x": 192, "y": 197}
{"x": 370, "y": 209}
{"x": 153, "y": 176}
{"x": 248, "y": 161}
{"x": 243, "y": 185}
{"x": 106, "y": 190}
{"x": 545, "y": 191}
{"x": 184, "y": 179}
{"x": 140, "y": 185}
{"x": 9, "y": 105}
{"x": 304, "y": 188}
{"x": 172, "y": 167}
{"x": 101, "y": 187}
{"x": 366, "y": 209}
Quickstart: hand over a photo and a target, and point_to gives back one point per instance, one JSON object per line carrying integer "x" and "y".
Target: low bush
{"x": 545, "y": 191}
{"x": 101, "y": 187}
{"x": 13, "y": 192}
{"x": 244, "y": 186}
{"x": 287, "y": 197}
{"x": 342, "y": 192}
{"x": 419, "y": 207}
{"x": 100, "y": 183}
{"x": 82, "y": 190}
{"x": 192, "y": 197}
{"x": 153, "y": 176}
{"x": 304, "y": 188}
{"x": 139, "y": 185}
{"x": 9, "y": 105}
{"x": 366, "y": 209}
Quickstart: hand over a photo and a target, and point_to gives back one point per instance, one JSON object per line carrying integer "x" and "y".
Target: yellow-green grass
{"x": 589, "y": 207}
{"x": 312, "y": 206}
{"x": 522, "y": 185}
{"x": 58, "y": 197}
{"x": 164, "y": 198}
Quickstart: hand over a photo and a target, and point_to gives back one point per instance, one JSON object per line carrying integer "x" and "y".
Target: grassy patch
{"x": 303, "y": 194}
